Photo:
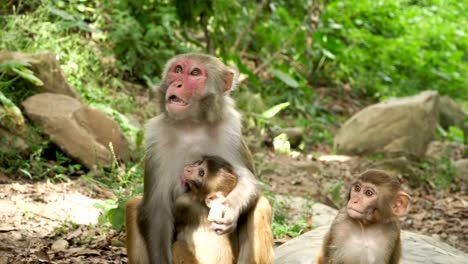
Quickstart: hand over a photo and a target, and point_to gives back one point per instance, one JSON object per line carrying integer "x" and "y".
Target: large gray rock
{"x": 45, "y": 67}
{"x": 452, "y": 114}
{"x": 403, "y": 125}
{"x": 416, "y": 248}
{"x": 80, "y": 131}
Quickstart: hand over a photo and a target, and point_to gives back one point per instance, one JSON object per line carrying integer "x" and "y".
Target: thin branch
{"x": 206, "y": 33}
{"x": 249, "y": 26}
{"x": 317, "y": 9}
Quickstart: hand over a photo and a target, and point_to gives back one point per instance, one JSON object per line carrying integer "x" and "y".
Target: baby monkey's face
{"x": 194, "y": 175}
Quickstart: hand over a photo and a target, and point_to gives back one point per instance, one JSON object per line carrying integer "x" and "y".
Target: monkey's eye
{"x": 178, "y": 69}
{"x": 195, "y": 72}
{"x": 201, "y": 172}
{"x": 369, "y": 193}
{"x": 357, "y": 188}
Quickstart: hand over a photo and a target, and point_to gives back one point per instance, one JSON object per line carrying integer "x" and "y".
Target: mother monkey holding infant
{"x": 198, "y": 118}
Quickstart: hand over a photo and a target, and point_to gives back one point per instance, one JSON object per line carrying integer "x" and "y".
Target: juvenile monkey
{"x": 367, "y": 230}
{"x": 198, "y": 117}
{"x": 204, "y": 184}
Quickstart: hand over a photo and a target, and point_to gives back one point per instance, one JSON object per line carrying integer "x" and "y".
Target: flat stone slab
{"x": 416, "y": 248}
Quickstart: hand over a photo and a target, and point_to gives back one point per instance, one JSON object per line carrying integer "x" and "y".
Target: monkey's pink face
{"x": 187, "y": 81}
{"x": 363, "y": 201}
{"x": 194, "y": 175}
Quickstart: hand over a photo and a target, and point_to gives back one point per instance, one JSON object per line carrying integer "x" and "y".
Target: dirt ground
{"x": 46, "y": 222}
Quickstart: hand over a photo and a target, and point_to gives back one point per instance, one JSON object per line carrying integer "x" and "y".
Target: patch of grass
{"x": 285, "y": 227}
{"x": 65, "y": 227}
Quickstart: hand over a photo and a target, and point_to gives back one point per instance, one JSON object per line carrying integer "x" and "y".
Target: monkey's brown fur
{"x": 196, "y": 242}
{"x": 197, "y": 118}
{"x": 372, "y": 233}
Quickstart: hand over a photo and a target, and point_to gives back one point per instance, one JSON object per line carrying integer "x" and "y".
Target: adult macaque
{"x": 198, "y": 118}
{"x": 204, "y": 184}
{"x": 367, "y": 230}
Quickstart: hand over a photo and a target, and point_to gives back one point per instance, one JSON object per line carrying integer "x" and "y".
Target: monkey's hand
{"x": 225, "y": 223}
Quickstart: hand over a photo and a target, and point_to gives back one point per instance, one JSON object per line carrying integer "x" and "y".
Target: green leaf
{"x": 244, "y": 69}
{"x": 9, "y": 65}
{"x": 11, "y": 110}
{"x": 275, "y": 110}
{"x": 287, "y": 79}
{"x": 75, "y": 20}
{"x": 117, "y": 216}
{"x": 28, "y": 75}
{"x": 64, "y": 15}
{"x": 328, "y": 54}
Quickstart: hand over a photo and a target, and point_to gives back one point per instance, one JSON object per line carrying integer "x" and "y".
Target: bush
{"x": 396, "y": 48}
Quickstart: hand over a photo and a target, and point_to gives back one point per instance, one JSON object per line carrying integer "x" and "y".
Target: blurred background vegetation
{"x": 295, "y": 56}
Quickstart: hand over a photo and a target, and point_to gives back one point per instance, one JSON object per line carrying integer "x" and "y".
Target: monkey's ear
{"x": 230, "y": 80}
{"x": 401, "y": 205}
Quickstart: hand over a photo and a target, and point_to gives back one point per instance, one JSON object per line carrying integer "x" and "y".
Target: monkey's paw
{"x": 225, "y": 224}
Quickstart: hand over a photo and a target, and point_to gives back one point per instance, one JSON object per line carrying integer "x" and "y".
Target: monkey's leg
{"x": 181, "y": 254}
{"x": 255, "y": 235}
{"x": 136, "y": 247}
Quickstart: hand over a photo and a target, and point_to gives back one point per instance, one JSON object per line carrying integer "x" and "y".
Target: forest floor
{"x": 45, "y": 222}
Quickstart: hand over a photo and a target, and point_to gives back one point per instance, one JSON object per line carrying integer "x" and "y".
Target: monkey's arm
{"x": 396, "y": 251}
{"x": 322, "y": 258}
{"x": 237, "y": 202}
{"x": 156, "y": 218}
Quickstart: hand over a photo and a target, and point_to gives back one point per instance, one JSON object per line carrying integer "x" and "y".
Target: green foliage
{"x": 454, "y": 134}
{"x": 144, "y": 37}
{"x": 335, "y": 193}
{"x": 394, "y": 48}
{"x": 126, "y": 181}
{"x": 112, "y": 212}
{"x": 438, "y": 173}
{"x": 283, "y": 227}
{"x": 44, "y": 162}
{"x": 13, "y": 75}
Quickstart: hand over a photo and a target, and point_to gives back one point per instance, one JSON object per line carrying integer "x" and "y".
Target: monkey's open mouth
{"x": 192, "y": 185}
{"x": 173, "y": 99}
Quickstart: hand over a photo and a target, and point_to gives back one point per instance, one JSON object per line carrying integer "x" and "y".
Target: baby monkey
{"x": 204, "y": 184}
{"x": 367, "y": 230}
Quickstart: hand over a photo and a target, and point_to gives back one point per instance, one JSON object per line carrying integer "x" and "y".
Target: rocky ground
{"x": 43, "y": 222}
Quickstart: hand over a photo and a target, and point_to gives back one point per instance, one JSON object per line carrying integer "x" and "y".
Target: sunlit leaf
{"x": 281, "y": 144}
{"x": 274, "y": 110}
{"x": 328, "y": 54}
